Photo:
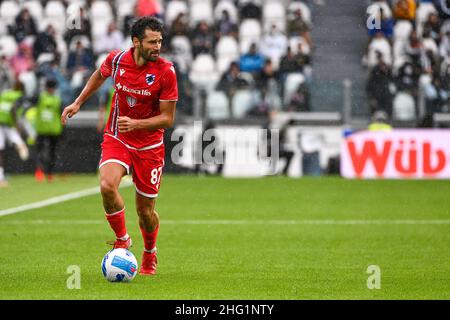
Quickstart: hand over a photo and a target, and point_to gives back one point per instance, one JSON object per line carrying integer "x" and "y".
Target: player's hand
{"x": 69, "y": 112}
{"x": 126, "y": 124}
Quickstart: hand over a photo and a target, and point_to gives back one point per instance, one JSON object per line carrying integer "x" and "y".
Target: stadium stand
{"x": 204, "y": 37}
{"x": 407, "y": 60}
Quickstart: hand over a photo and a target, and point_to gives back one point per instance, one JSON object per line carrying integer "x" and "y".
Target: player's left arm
{"x": 162, "y": 121}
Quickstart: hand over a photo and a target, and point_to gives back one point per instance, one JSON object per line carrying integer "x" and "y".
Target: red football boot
{"x": 125, "y": 244}
{"x": 149, "y": 262}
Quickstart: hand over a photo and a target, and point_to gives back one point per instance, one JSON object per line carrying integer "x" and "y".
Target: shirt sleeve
{"x": 169, "y": 87}
{"x": 106, "y": 67}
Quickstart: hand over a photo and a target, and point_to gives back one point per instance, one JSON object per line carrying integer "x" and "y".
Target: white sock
{"x": 2, "y": 174}
{"x": 150, "y": 251}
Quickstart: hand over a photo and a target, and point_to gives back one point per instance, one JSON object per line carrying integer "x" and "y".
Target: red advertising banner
{"x": 398, "y": 154}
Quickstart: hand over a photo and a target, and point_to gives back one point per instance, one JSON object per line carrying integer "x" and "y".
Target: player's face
{"x": 150, "y": 47}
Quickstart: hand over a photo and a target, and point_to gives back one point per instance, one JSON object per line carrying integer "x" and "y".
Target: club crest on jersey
{"x": 131, "y": 101}
{"x": 149, "y": 78}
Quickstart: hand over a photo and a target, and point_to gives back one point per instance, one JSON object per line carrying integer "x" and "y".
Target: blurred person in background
{"x": 112, "y": 40}
{"x": 9, "y": 128}
{"x": 202, "y": 39}
{"x": 45, "y": 42}
{"x": 49, "y": 129}
{"x": 23, "y": 60}
{"x": 24, "y": 26}
{"x": 252, "y": 61}
{"x": 378, "y": 87}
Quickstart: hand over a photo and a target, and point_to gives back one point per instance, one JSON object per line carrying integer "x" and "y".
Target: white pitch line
{"x": 56, "y": 200}
{"x": 247, "y": 222}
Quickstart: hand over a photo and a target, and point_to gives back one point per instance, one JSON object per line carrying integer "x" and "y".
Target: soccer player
{"x": 143, "y": 106}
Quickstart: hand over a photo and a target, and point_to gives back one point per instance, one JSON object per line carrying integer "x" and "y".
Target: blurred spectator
{"x": 253, "y": 61}
{"x": 432, "y": 28}
{"x": 45, "y": 42}
{"x": 84, "y": 28}
{"x": 9, "y": 129}
{"x": 414, "y": 49}
{"x": 267, "y": 77}
{"x": 303, "y": 60}
{"x": 443, "y": 10}
{"x": 378, "y": 87}
{"x": 80, "y": 64}
{"x": 23, "y": 60}
{"x": 6, "y": 75}
{"x": 202, "y": 39}
{"x": 444, "y": 48}
{"x": 435, "y": 96}
{"x": 81, "y": 58}
{"x": 224, "y": 26}
{"x": 180, "y": 26}
{"x": 49, "y": 129}
{"x": 232, "y": 80}
{"x": 273, "y": 45}
{"x": 408, "y": 78}
{"x": 111, "y": 41}
{"x": 288, "y": 63}
{"x": 297, "y": 26}
{"x": 24, "y": 26}
{"x": 405, "y": 10}
{"x": 250, "y": 10}
{"x": 148, "y": 8}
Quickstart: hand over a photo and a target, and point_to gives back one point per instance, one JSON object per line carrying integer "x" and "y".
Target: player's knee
{"x": 107, "y": 187}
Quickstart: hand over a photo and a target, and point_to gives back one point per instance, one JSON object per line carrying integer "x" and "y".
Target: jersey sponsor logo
{"x": 135, "y": 91}
{"x": 131, "y": 101}
{"x": 149, "y": 78}
{"x": 122, "y": 71}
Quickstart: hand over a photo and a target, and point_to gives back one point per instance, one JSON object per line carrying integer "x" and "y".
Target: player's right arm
{"x": 94, "y": 82}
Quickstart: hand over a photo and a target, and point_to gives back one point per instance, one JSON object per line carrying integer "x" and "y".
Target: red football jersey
{"x": 138, "y": 91}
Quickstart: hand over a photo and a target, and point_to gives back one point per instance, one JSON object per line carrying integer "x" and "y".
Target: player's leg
{"x": 147, "y": 170}
{"x": 53, "y": 140}
{"x": 110, "y": 176}
{"x": 149, "y": 226}
{"x": 14, "y": 137}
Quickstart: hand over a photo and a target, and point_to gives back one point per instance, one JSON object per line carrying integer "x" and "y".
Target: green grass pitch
{"x": 270, "y": 238}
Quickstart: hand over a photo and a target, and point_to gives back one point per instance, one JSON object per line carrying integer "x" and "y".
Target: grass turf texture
{"x": 249, "y": 259}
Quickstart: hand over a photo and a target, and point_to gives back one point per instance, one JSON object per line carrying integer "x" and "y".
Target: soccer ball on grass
{"x": 119, "y": 265}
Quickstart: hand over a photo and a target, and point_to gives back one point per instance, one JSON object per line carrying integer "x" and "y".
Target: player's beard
{"x": 147, "y": 55}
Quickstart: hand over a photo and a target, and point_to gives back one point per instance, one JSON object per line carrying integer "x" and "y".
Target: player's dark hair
{"x": 138, "y": 28}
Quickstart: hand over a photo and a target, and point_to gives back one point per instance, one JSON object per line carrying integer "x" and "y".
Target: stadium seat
{"x": 293, "y": 80}
{"x": 274, "y": 13}
{"x": 249, "y": 32}
{"x": 201, "y": 11}
{"x": 182, "y": 51}
{"x": 217, "y": 105}
{"x": 124, "y": 8}
{"x": 228, "y": 6}
{"x": 203, "y": 72}
{"x": 55, "y": 13}
{"x": 422, "y": 13}
{"x": 174, "y": 8}
{"x": 8, "y": 11}
{"x": 306, "y": 13}
{"x": 242, "y": 102}
{"x": 404, "y": 107}
{"x": 35, "y": 8}
{"x": 227, "y": 50}
{"x": 430, "y": 45}
{"x": 8, "y": 46}
{"x": 101, "y": 15}
{"x": 402, "y": 30}
{"x": 381, "y": 45}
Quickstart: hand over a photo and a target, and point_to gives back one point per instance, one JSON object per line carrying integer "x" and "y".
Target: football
{"x": 119, "y": 265}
